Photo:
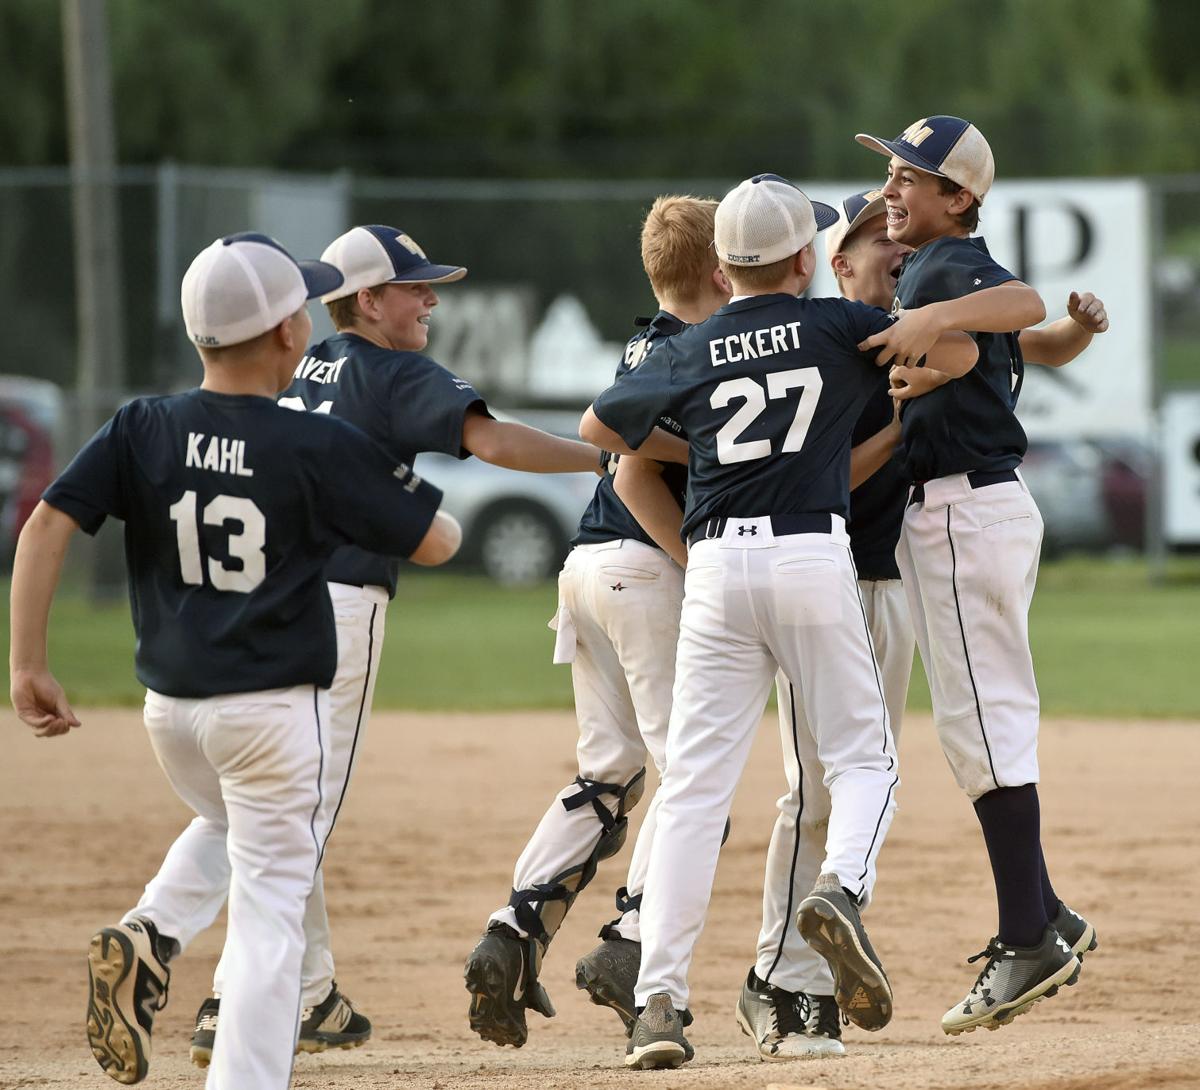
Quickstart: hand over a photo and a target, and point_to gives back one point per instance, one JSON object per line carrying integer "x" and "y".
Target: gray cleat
{"x": 787, "y": 1025}
{"x": 609, "y": 974}
{"x": 828, "y": 921}
{"x": 657, "y": 1038}
{"x": 1014, "y": 978}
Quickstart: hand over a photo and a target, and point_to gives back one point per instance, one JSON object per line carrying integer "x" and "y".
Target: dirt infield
{"x": 425, "y": 847}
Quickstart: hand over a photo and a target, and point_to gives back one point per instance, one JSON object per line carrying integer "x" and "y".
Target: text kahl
{"x": 220, "y": 455}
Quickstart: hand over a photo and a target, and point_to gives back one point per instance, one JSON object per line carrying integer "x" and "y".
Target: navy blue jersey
{"x": 404, "y": 401}
{"x": 607, "y": 518}
{"x": 767, "y": 390}
{"x": 970, "y": 422}
{"x": 877, "y": 505}
{"x": 232, "y": 508}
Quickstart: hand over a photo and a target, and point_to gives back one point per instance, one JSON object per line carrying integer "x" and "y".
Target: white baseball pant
{"x": 969, "y": 560}
{"x": 798, "y": 841}
{"x": 359, "y": 615}
{"x": 617, "y": 624}
{"x": 251, "y": 765}
{"x": 754, "y": 604}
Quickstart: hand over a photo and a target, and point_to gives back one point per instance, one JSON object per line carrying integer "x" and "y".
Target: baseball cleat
{"x": 498, "y": 979}
{"x": 828, "y": 921}
{"x": 332, "y": 1023}
{"x": 127, "y": 985}
{"x": 204, "y": 1036}
{"x": 788, "y": 1025}
{"x": 1013, "y": 979}
{"x": 1080, "y": 935}
{"x": 657, "y": 1039}
{"x": 609, "y": 974}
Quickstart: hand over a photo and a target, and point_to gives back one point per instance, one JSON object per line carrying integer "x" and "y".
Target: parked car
{"x": 1091, "y": 493}
{"x": 30, "y": 411}
{"x": 516, "y": 526}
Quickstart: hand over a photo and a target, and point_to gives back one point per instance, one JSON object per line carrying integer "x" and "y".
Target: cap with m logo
{"x": 946, "y": 146}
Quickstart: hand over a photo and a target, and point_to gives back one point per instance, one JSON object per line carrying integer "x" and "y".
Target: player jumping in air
{"x": 969, "y": 549}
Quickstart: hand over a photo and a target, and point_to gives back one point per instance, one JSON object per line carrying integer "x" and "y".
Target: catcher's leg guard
{"x": 541, "y": 909}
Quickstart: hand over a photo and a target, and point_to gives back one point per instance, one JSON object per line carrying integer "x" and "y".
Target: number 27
{"x": 754, "y": 403}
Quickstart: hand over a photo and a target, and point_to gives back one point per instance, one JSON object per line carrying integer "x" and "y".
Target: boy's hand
{"x": 907, "y": 339}
{"x": 910, "y": 382}
{"x": 1088, "y": 312}
{"x": 40, "y": 701}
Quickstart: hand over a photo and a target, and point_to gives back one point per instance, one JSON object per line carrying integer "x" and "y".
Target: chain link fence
{"x": 555, "y": 280}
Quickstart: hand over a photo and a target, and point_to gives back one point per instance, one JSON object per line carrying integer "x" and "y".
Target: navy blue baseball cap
{"x": 373, "y": 255}
{"x": 946, "y": 146}
{"x": 244, "y": 284}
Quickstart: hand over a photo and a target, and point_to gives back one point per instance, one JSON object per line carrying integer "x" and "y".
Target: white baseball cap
{"x": 947, "y": 146}
{"x": 243, "y": 285}
{"x": 765, "y": 219}
{"x": 853, "y": 212}
{"x": 374, "y": 255}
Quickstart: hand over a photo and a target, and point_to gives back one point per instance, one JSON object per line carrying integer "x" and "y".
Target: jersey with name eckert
{"x": 404, "y": 401}
{"x": 968, "y": 423}
{"x": 232, "y": 508}
{"x": 606, "y": 517}
{"x": 767, "y": 390}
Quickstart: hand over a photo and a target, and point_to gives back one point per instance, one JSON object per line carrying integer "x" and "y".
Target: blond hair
{"x": 677, "y": 246}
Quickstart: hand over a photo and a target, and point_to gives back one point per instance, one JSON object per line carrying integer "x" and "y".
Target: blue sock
{"x": 1011, "y": 821}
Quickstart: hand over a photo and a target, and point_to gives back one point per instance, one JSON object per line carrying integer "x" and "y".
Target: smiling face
{"x": 917, "y": 210}
{"x": 400, "y": 313}
{"x": 868, "y": 263}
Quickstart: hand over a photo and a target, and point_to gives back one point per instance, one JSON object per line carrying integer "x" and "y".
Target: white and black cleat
{"x": 788, "y": 1025}
{"x": 1080, "y": 935}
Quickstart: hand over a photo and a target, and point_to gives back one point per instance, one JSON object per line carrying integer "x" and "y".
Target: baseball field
{"x": 444, "y": 800}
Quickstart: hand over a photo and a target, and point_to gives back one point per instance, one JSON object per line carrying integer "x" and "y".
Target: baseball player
{"x": 784, "y": 1023}
{"x": 787, "y": 1004}
{"x": 231, "y": 510}
{"x": 372, "y": 373}
{"x": 968, "y": 551}
{"x": 617, "y": 624}
{"x": 767, "y": 391}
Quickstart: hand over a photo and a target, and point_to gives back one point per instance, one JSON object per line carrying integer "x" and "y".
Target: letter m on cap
{"x": 917, "y": 133}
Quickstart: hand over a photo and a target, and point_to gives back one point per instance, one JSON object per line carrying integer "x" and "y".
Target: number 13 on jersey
{"x": 754, "y": 404}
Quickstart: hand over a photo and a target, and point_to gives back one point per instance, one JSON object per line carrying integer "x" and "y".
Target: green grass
{"x": 1106, "y": 643}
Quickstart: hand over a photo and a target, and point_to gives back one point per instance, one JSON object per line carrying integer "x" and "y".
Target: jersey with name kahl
{"x": 404, "y": 401}
{"x": 767, "y": 391}
{"x": 607, "y": 518}
{"x": 968, "y": 423}
{"x": 232, "y": 508}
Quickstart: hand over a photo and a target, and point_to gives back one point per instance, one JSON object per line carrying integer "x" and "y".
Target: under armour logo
{"x": 617, "y": 585}
{"x": 1062, "y": 944}
{"x": 751, "y": 530}
{"x": 978, "y": 281}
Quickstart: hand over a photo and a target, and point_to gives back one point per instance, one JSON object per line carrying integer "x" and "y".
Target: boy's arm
{"x": 640, "y": 487}
{"x": 518, "y": 446}
{"x": 659, "y": 444}
{"x": 1004, "y": 308}
{"x": 1060, "y": 342}
{"x": 871, "y": 455}
{"x": 37, "y": 697}
{"x": 910, "y": 382}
